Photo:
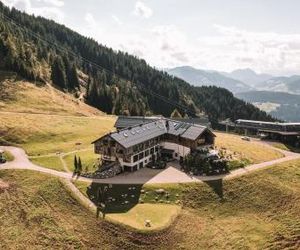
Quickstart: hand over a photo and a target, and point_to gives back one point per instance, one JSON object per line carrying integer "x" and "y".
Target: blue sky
{"x": 209, "y": 34}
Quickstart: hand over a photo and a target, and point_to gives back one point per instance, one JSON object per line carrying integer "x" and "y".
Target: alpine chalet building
{"x": 135, "y": 147}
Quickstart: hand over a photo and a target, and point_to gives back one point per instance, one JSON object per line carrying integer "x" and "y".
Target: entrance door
{"x": 141, "y": 165}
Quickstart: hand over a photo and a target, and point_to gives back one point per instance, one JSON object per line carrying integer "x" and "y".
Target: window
{"x": 135, "y": 148}
{"x": 156, "y": 149}
{"x": 120, "y": 151}
{"x": 135, "y": 158}
{"x": 152, "y": 151}
{"x": 146, "y": 152}
{"x": 141, "y": 155}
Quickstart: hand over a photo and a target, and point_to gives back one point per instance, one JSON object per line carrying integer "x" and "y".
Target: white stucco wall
{"x": 178, "y": 149}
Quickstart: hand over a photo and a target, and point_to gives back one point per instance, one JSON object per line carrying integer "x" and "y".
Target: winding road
{"x": 171, "y": 174}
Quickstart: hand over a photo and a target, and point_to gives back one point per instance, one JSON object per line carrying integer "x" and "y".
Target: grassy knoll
{"x": 88, "y": 159}
{"x": 249, "y": 152}
{"x": 52, "y": 162}
{"x": 43, "y": 134}
{"x": 160, "y": 215}
{"x": 8, "y": 156}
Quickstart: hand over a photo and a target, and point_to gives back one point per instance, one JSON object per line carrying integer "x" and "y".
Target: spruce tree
{"x": 58, "y": 73}
{"x": 79, "y": 166}
{"x": 75, "y": 165}
{"x": 72, "y": 78}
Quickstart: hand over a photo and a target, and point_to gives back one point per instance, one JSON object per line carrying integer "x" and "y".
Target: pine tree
{"x": 72, "y": 78}
{"x": 75, "y": 165}
{"x": 79, "y": 166}
{"x": 58, "y": 73}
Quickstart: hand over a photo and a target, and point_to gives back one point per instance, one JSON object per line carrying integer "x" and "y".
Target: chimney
{"x": 167, "y": 125}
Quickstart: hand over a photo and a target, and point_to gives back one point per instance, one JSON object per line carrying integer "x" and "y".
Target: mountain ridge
{"x": 198, "y": 77}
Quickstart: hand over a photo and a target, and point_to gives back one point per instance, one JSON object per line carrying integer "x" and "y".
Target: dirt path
{"x": 170, "y": 175}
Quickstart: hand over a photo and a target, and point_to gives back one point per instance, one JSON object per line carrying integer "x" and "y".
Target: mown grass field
{"x": 248, "y": 151}
{"x": 88, "y": 158}
{"x": 44, "y": 134}
{"x": 160, "y": 215}
{"x": 52, "y": 162}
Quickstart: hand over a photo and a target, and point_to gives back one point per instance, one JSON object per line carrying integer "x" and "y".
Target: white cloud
{"x": 92, "y": 28}
{"x": 270, "y": 52}
{"x": 227, "y": 49}
{"x": 142, "y": 10}
{"x": 89, "y": 18}
{"x": 51, "y": 10}
{"x": 57, "y": 3}
{"x": 116, "y": 19}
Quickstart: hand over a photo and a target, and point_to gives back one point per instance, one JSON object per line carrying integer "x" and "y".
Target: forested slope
{"x": 48, "y": 52}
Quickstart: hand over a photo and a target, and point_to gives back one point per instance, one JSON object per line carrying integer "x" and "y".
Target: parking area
{"x": 171, "y": 174}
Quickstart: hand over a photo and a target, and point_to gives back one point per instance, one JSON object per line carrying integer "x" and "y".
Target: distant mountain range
{"x": 198, "y": 77}
{"x": 237, "y": 81}
{"x": 278, "y": 96}
{"x": 248, "y": 76}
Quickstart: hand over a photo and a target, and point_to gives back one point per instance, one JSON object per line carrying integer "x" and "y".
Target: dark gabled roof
{"x": 132, "y": 136}
{"x": 131, "y": 121}
{"x": 139, "y": 134}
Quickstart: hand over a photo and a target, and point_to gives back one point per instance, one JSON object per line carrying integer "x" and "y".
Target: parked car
{"x": 2, "y": 159}
{"x": 157, "y": 165}
{"x": 246, "y": 138}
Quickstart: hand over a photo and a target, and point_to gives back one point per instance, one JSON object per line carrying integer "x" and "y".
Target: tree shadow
{"x": 216, "y": 186}
{"x": 114, "y": 198}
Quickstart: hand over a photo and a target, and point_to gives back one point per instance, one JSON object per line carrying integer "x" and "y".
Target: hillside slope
{"x": 282, "y": 84}
{"x": 128, "y": 85}
{"x": 19, "y": 95}
{"x": 282, "y": 105}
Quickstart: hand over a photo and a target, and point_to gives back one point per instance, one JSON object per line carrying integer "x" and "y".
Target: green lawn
{"x": 160, "y": 215}
{"x": 245, "y": 152}
{"x": 88, "y": 159}
{"x": 52, "y": 162}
